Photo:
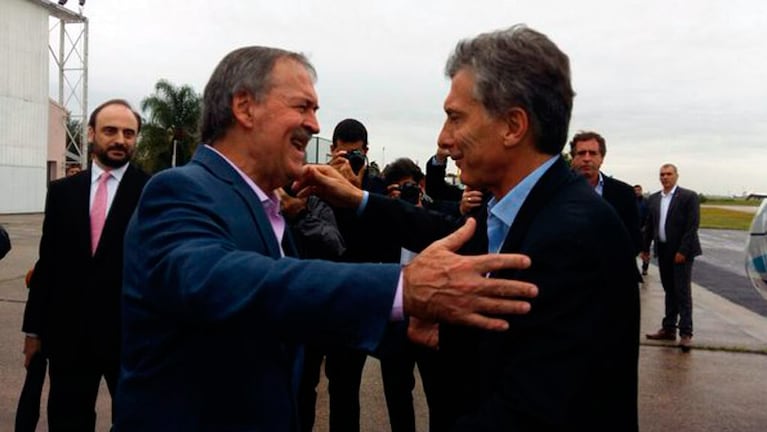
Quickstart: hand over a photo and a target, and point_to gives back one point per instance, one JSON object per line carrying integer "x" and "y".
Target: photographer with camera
{"x": 406, "y": 181}
{"x": 343, "y": 366}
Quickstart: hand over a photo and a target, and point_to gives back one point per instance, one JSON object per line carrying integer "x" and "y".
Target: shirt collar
{"x": 266, "y": 199}
{"x": 664, "y": 194}
{"x": 117, "y": 173}
{"x": 600, "y": 186}
{"x": 508, "y": 207}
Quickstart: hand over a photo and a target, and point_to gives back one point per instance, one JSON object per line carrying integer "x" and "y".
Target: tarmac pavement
{"x": 721, "y": 385}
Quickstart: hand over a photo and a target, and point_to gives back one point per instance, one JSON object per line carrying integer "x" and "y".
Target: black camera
{"x": 410, "y": 192}
{"x": 356, "y": 160}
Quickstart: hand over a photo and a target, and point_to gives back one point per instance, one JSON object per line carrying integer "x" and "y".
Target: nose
{"x": 445, "y": 139}
{"x": 311, "y": 123}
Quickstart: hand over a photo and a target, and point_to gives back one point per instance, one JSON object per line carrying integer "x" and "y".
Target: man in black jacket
{"x": 77, "y": 319}
{"x": 571, "y": 363}
{"x": 673, "y": 219}
{"x": 588, "y": 150}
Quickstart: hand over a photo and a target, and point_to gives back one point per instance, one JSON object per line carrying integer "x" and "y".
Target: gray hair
{"x": 520, "y": 67}
{"x": 670, "y": 165}
{"x": 247, "y": 69}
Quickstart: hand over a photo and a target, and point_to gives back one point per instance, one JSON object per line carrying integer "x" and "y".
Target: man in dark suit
{"x": 215, "y": 306}
{"x": 673, "y": 219}
{"x": 588, "y": 150}
{"x": 571, "y": 363}
{"x": 73, "y": 308}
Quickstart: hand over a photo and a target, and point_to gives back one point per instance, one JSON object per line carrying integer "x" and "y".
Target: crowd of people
{"x": 214, "y": 292}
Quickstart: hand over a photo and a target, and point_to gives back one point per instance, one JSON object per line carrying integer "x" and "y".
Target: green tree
{"x": 74, "y": 131}
{"x": 173, "y": 114}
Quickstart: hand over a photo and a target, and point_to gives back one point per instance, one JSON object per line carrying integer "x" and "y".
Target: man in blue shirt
{"x": 571, "y": 363}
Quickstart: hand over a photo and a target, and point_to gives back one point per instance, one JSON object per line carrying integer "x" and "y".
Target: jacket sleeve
{"x": 688, "y": 244}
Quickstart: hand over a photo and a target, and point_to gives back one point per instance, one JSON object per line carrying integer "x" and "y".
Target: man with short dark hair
{"x": 673, "y": 219}
{"x": 588, "y": 150}
{"x": 76, "y": 320}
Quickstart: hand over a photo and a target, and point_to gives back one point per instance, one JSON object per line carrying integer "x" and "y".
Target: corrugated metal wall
{"x": 23, "y": 106}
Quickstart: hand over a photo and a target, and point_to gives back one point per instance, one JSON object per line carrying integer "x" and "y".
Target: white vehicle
{"x": 756, "y": 251}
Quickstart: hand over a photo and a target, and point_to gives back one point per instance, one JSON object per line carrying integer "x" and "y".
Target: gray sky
{"x": 663, "y": 81}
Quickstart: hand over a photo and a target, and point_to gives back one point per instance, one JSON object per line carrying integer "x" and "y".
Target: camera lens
{"x": 410, "y": 192}
{"x": 356, "y": 160}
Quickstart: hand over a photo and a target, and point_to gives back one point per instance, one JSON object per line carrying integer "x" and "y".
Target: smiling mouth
{"x": 299, "y": 144}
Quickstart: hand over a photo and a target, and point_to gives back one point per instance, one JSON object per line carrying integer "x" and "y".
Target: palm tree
{"x": 173, "y": 119}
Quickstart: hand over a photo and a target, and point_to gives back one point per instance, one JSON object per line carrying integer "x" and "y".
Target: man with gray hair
{"x": 571, "y": 363}
{"x": 215, "y": 304}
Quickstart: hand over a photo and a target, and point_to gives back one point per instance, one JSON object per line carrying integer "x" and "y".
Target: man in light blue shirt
{"x": 571, "y": 363}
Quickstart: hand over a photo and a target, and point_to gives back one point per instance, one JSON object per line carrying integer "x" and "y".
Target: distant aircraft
{"x": 756, "y": 251}
{"x": 756, "y": 195}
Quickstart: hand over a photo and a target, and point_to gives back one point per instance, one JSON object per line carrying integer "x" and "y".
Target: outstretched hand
{"x": 330, "y": 185}
{"x": 440, "y": 285}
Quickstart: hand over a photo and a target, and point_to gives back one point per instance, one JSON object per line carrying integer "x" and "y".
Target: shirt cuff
{"x": 363, "y": 203}
{"x": 397, "y": 309}
{"x": 434, "y": 162}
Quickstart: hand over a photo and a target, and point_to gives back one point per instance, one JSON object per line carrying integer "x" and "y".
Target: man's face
{"x": 668, "y": 177}
{"x": 587, "y": 158}
{"x": 473, "y": 137}
{"x": 114, "y": 136}
{"x": 283, "y": 123}
{"x": 356, "y": 161}
{"x": 348, "y": 147}
{"x": 637, "y": 191}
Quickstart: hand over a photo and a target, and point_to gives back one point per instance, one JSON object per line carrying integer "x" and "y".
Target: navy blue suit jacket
{"x": 569, "y": 364}
{"x": 212, "y": 315}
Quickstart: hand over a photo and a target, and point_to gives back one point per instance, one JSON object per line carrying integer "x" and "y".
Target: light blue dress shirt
{"x": 501, "y": 214}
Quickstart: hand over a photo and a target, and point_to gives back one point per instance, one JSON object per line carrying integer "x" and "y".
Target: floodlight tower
{"x": 68, "y": 45}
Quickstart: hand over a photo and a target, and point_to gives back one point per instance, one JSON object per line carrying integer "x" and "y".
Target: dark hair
{"x": 401, "y": 168}
{"x": 247, "y": 69}
{"x": 123, "y": 102}
{"x": 520, "y": 67}
{"x": 587, "y": 136}
{"x": 350, "y": 130}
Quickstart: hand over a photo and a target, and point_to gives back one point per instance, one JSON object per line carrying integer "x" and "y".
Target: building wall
{"x": 23, "y": 106}
{"x": 57, "y": 139}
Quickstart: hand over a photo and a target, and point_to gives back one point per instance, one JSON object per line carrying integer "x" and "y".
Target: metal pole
{"x": 84, "y": 121}
{"x": 60, "y": 61}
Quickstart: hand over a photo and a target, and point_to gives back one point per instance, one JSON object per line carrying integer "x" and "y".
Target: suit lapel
{"x": 81, "y": 194}
{"x": 674, "y": 203}
{"x": 123, "y": 204}
{"x": 548, "y": 184}
{"x": 220, "y": 168}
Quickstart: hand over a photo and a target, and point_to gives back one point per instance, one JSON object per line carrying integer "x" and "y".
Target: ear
{"x": 91, "y": 134}
{"x": 242, "y": 104}
{"x": 517, "y": 126}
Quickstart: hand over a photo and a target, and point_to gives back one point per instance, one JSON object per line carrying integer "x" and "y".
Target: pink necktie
{"x": 99, "y": 210}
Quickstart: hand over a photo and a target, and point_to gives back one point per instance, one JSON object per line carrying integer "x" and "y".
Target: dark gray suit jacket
{"x": 682, "y": 222}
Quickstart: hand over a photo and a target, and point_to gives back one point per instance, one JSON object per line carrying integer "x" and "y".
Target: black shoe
{"x": 685, "y": 343}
